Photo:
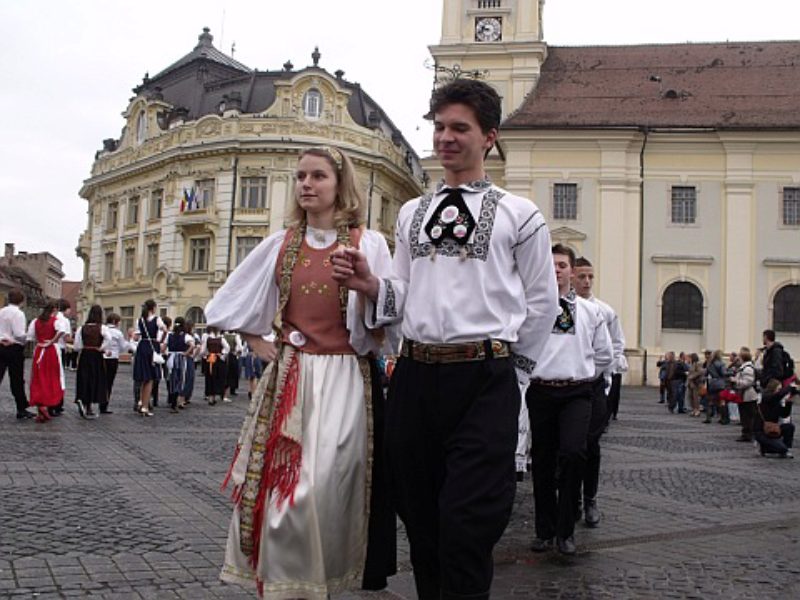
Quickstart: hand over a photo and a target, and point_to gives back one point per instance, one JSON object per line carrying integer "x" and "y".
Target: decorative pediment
{"x": 567, "y": 234}
{"x": 692, "y": 259}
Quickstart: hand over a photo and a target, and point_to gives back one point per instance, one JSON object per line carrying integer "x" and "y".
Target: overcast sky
{"x": 67, "y": 68}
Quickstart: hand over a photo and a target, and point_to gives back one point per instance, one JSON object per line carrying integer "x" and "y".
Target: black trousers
{"x": 12, "y": 358}
{"x": 747, "y": 416}
{"x": 560, "y": 419}
{"x": 112, "y": 365}
{"x": 451, "y": 436}
{"x": 613, "y": 395}
{"x": 597, "y": 425}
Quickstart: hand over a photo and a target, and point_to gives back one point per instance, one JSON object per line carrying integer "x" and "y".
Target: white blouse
{"x": 248, "y": 300}
{"x": 502, "y": 285}
{"x": 620, "y": 364}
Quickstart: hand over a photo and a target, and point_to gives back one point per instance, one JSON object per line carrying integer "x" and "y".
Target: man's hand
{"x": 264, "y": 350}
{"x": 350, "y": 269}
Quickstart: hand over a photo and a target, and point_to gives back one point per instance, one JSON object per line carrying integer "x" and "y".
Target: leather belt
{"x": 561, "y": 382}
{"x": 454, "y": 353}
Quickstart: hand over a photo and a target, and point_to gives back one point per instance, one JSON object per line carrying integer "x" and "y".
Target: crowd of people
{"x": 161, "y": 350}
{"x": 755, "y": 390}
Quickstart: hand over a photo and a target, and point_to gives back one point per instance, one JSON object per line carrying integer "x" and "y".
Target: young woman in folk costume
{"x": 47, "y": 376}
{"x": 215, "y": 351}
{"x": 146, "y": 368}
{"x": 311, "y": 515}
{"x": 91, "y": 385}
{"x": 180, "y": 345}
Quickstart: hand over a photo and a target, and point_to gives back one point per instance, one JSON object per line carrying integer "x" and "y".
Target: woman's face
{"x": 315, "y": 185}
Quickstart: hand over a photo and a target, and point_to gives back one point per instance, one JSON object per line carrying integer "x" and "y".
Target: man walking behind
{"x": 12, "y": 350}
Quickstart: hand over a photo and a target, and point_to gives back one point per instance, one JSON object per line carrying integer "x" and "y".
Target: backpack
{"x": 788, "y": 365}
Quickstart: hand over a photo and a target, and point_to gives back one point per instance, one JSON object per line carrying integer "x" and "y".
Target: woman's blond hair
{"x": 745, "y": 354}
{"x": 350, "y": 200}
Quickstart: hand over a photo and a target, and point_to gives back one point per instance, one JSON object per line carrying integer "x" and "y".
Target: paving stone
{"x": 135, "y": 511}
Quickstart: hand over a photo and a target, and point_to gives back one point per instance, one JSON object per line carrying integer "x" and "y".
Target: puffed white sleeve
{"x": 249, "y": 298}
{"x": 107, "y": 341}
{"x": 618, "y": 343}
{"x": 78, "y": 342}
{"x": 534, "y": 261}
{"x": 601, "y": 344}
{"x": 362, "y": 338}
{"x": 388, "y": 307}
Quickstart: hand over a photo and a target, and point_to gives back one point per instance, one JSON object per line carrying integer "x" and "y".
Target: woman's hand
{"x": 350, "y": 269}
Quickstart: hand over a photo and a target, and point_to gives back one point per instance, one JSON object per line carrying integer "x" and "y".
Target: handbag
{"x": 771, "y": 429}
{"x": 703, "y": 391}
{"x": 157, "y": 358}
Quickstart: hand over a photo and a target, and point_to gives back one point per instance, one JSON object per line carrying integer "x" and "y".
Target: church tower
{"x": 499, "y": 40}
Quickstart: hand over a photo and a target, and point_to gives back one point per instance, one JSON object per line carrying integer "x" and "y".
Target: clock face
{"x": 488, "y": 29}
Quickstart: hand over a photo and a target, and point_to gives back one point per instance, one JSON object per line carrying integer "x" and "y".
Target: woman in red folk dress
{"x": 47, "y": 386}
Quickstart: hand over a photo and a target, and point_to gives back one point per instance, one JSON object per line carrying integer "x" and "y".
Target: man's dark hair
{"x": 582, "y": 261}
{"x": 15, "y": 296}
{"x": 566, "y": 251}
{"x": 113, "y": 318}
{"x": 769, "y": 334}
{"x": 63, "y": 304}
{"x": 477, "y": 95}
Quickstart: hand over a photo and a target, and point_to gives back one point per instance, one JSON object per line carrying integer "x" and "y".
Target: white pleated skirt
{"x": 317, "y": 546}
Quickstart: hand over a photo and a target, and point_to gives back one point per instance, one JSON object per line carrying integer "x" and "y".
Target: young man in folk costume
{"x": 311, "y": 517}
{"x": 560, "y": 399}
{"x": 606, "y": 400}
{"x": 473, "y": 285}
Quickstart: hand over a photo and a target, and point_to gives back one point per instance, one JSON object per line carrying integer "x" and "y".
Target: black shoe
{"x": 520, "y": 476}
{"x": 590, "y": 512}
{"x": 566, "y": 546}
{"x": 707, "y": 421}
{"x": 744, "y": 439}
{"x": 106, "y": 412}
{"x": 578, "y": 514}
{"x": 661, "y": 401}
{"x": 90, "y": 414}
{"x": 540, "y": 545}
{"x": 25, "y": 414}
{"x": 682, "y": 411}
{"x": 81, "y": 408}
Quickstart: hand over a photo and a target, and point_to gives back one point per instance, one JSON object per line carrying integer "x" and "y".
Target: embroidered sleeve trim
{"x": 478, "y": 248}
{"x": 389, "y": 301}
{"x": 533, "y": 233}
{"x": 528, "y": 220}
{"x": 524, "y": 363}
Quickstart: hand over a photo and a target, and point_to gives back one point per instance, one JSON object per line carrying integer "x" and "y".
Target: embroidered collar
{"x": 479, "y": 185}
{"x": 571, "y": 297}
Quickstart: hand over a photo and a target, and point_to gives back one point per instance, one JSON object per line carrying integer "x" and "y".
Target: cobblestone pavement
{"x": 125, "y": 507}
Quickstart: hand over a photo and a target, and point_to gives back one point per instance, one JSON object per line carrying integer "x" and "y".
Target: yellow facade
{"x": 140, "y": 244}
{"x": 737, "y": 251}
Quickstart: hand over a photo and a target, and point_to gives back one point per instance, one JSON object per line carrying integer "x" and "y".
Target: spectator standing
{"x": 774, "y": 360}
{"x": 744, "y": 382}
{"x": 695, "y": 381}
{"x": 717, "y": 376}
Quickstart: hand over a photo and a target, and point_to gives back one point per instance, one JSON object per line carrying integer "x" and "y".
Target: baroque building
{"x": 674, "y": 168}
{"x": 203, "y": 171}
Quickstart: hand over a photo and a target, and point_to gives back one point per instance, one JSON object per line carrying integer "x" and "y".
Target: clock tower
{"x": 499, "y": 40}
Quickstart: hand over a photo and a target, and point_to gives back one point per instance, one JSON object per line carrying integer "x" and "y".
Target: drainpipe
{"x": 645, "y": 130}
{"x": 233, "y": 215}
{"x": 369, "y": 197}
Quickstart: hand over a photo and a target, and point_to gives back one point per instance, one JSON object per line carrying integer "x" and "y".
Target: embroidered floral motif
{"x": 478, "y": 248}
{"x": 565, "y": 321}
{"x": 523, "y": 363}
{"x": 390, "y": 301}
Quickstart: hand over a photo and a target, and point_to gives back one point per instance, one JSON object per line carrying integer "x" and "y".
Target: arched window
{"x": 682, "y": 307}
{"x": 786, "y": 309}
{"x": 141, "y": 127}
{"x": 198, "y": 317}
{"x": 312, "y": 104}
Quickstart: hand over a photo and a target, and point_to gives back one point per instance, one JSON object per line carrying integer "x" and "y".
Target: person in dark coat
{"x": 776, "y": 404}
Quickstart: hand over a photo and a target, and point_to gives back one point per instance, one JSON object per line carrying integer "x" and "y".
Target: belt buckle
{"x": 497, "y": 346}
{"x": 426, "y": 354}
{"x": 471, "y": 351}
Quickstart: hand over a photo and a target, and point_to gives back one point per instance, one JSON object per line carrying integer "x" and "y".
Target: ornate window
{"x": 111, "y": 216}
{"x": 156, "y": 202}
{"x": 133, "y": 211}
{"x": 152, "y": 258}
{"x": 199, "y": 250}
{"x": 565, "y": 201}
{"x": 141, "y": 127}
{"x": 786, "y": 309}
{"x": 129, "y": 263}
{"x": 244, "y": 246}
{"x": 126, "y": 318}
{"x": 791, "y": 206}
{"x": 312, "y": 104}
{"x": 108, "y": 266}
{"x": 205, "y": 193}
{"x": 254, "y": 192}
{"x": 684, "y": 204}
{"x": 682, "y": 307}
